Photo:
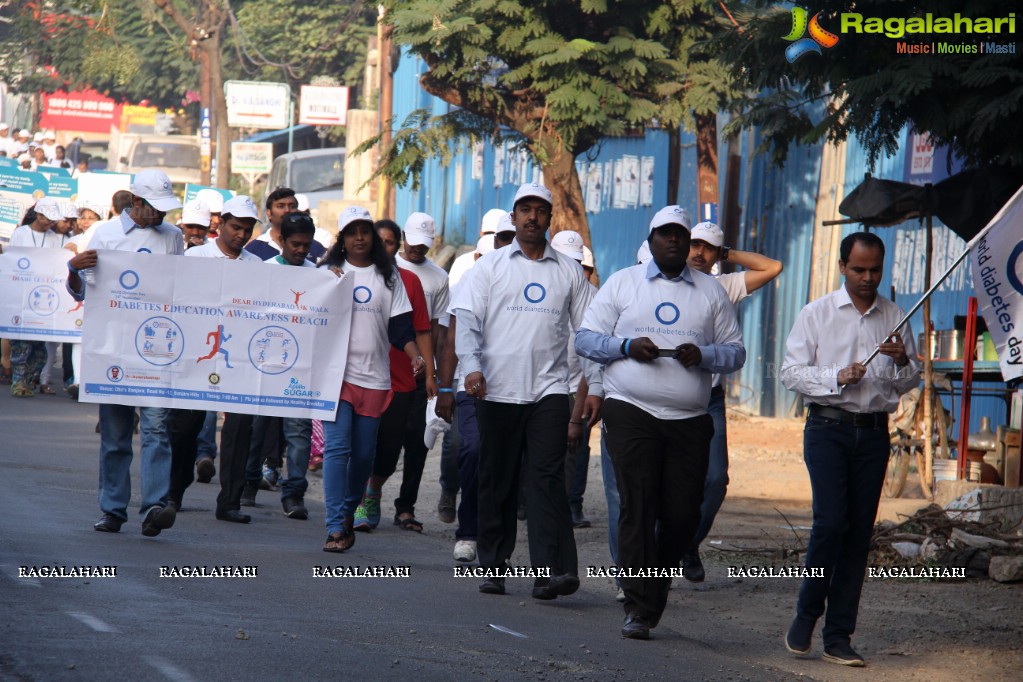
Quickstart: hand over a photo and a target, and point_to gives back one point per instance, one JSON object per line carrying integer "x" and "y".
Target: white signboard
{"x": 255, "y": 104}
{"x": 251, "y": 157}
{"x": 323, "y": 106}
{"x": 34, "y": 302}
{"x": 215, "y": 334}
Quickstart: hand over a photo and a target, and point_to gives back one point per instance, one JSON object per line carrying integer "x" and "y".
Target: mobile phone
{"x": 666, "y": 352}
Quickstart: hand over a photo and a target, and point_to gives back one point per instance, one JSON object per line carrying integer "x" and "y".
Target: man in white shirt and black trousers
{"x": 845, "y": 442}
{"x": 661, "y": 330}
{"x": 513, "y": 346}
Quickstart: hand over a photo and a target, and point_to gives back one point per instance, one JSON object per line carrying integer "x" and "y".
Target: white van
{"x": 317, "y": 173}
{"x": 175, "y": 155}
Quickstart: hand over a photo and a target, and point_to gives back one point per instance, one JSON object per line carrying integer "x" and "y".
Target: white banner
{"x": 997, "y": 262}
{"x": 215, "y": 334}
{"x": 34, "y": 302}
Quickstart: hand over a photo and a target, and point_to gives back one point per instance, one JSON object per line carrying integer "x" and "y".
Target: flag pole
{"x": 969, "y": 247}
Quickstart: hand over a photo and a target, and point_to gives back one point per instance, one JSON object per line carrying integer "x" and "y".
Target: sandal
{"x": 408, "y": 523}
{"x": 339, "y": 541}
{"x": 21, "y": 391}
{"x": 44, "y": 388}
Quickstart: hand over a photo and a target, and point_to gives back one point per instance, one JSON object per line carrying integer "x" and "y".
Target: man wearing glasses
{"x": 139, "y": 228}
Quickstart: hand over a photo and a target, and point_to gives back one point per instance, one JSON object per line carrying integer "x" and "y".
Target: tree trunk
{"x": 562, "y": 179}
{"x": 674, "y": 164}
{"x": 706, "y": 164}
{"x": 222, "y": 132}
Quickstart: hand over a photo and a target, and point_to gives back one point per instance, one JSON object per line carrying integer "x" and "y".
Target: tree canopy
{"x": 969, "y": 101}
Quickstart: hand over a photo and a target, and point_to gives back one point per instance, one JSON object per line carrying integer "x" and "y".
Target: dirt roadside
{"x": 909, "y": 629}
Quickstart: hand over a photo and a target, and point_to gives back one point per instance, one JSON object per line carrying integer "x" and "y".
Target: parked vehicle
{"x": 317, "y": 173}
{"x": 95, "y": 153}
{"x": 175, "y": 155}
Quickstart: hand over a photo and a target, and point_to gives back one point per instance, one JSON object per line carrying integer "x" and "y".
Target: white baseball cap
{"x": 302, "y": 201}
{"x": 533, "y": 189}
{"x": 25, "y": 158}
{"x": 50, "y": 207}
{"x": 94, "y": 206}
{"x": 353, "y": 214}
{"x": 505, "y": 224}
{"x": 420, "y": 230}
{"x": 240, "y": 206}
{"x": 490, "y": 220}
{"x": 24, "y": 133}
{"x": 671, "y": 215}
{"x": 38, "y": 137}
{"x": 211, "y": 199}
{"x": 570, "y": 243}
{"x": 69, "y": 209}
{"x": 643, "y": 255}
{"x": 588, "y": 257}
{"x": 49, "y": 135}
{"x": 485, "y": 245}
{"x": 155, "y": 187}
{"x": 4, "y": 126}
{"x": 195, "y": 212}
{"x": 708, "y": 232}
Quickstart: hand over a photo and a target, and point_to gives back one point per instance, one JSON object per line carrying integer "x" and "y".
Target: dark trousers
{"x": 67, "y": 367}
{"x": 235, "y": 443}
{"x": 183, "y": 427}
{"x": 541, "y": 430}
{"x": 468, "y": 467}
{"x": 847, "y": 466}
{"x": 577, "y": 464}
{"x": 406, "y": 435}
{"x": 450, "y": 469}
{"x": 391, "y": 436}
{"x": 264, "y": 446}
{"x": 660, "y": 465}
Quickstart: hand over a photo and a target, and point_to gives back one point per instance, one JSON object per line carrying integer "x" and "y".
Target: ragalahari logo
{"x": 802, "y": 46}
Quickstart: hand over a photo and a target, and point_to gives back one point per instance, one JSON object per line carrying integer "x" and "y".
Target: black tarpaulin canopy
{"x": 965, "y": 202}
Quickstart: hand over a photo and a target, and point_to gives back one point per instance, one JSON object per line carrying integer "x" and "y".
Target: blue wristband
{"x": 627, "y": 344}
{"x": 445, "y": 390}
{"x": 72, "y": 269}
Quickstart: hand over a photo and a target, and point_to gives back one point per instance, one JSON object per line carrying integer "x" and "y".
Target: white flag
{"x": 997, "y": 261}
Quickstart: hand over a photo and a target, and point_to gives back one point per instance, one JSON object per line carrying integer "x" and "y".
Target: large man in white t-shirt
{"x": 141, "y": 229}
{"x": 706, "y": 249}
{"x": 512, "y": 342}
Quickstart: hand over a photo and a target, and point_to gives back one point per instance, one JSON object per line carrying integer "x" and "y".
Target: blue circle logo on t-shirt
{"x": 365, "y": 291}
{"x": 667, "y": 313}
{"x": 534, "y": 292}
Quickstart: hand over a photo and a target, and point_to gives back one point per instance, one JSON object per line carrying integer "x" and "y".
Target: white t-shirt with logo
{"x": 373, "y": 307}
{"x": 521, "y": 313}
{"x": 26, "y": 236}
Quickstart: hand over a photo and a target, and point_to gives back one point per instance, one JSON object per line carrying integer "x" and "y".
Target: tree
{"x": 970, "y": 102}
{"x": 559, "y": 76}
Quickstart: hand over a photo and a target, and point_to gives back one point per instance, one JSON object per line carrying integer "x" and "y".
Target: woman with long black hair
{"x": 381, "y": 317}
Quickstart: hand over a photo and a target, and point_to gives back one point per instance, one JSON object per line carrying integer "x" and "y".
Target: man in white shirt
{"x": 238, "y": 218}
{"x": 661, "y": 330}
{"x": 845, "y": 443}
{"x": 142, "y": 229}
{"x": 512, "y": 342}
{"x": 707, "y": 249}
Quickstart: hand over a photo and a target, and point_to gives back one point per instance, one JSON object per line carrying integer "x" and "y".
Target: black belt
{"x": 863, "y": 420}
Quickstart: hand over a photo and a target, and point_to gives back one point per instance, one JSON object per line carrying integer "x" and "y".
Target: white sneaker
{"x": 621, "y": 595}
{"x": 465, "y": 550}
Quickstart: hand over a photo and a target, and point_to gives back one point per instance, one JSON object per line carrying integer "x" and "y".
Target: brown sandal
{"x": 339, "y": 541}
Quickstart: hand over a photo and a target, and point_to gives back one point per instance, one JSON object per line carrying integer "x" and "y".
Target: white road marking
{"x": 92, "y": 621}
{"x": 170, "y": 671}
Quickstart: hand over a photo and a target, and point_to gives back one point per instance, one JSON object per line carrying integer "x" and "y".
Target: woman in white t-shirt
{"x": 381, "y": 317}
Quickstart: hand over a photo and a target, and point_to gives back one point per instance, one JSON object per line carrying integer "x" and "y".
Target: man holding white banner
{"x": 997, "y": 263}
{"x": 141, "y": 229}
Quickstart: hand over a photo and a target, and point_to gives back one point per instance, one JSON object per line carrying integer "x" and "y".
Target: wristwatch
{"x": 724, "y": 252}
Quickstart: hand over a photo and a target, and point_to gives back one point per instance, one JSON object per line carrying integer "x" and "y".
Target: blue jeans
{"x": 847, "y": 466}
{"x": 614, "y": 502}
{"x": 717, "y": 470}
{"x": 208, "y": 437}
{"x": 117, "y": 424}
{"x": 349, "y": 445}
{"x": 298, "y": 435}
{"x": 449, "y": 447}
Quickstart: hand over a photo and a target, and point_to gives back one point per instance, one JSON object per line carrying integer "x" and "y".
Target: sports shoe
{"x": 362, "y": 519}
{"x": 797, "y": 639}
{"x": 205, "y": 469}
{"x": 371, "y": 504}
{"x": 692, "y": 567}
{"x": 446, "y": 507}
{"x": 465, "y": 551}
{"x": 843, "y": 654}
{"x": 269, "y": 480}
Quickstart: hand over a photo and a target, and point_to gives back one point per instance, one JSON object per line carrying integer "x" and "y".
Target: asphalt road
{"x": 286, "y": 624}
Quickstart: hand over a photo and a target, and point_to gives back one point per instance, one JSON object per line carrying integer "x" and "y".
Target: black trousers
{"x": 235, "y": 442}
{"x": 183, "y": 427}
{"x": 660, "y": 465}
{"x": 541, "y": 431}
